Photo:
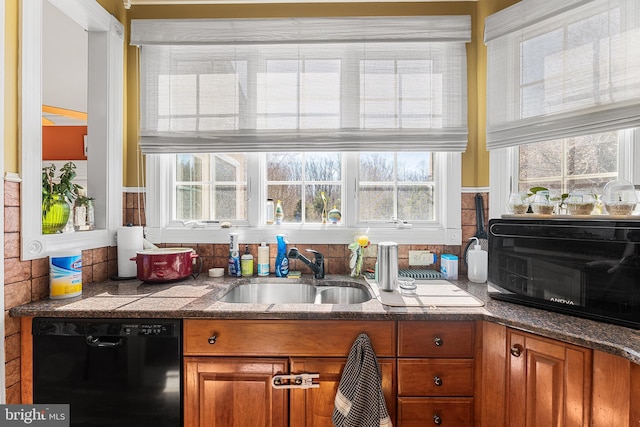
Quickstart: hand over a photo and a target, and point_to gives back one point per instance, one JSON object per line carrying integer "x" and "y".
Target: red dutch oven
{"x": 164, "y": 264}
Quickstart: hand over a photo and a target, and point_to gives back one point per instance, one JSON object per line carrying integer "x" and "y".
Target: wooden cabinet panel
{"x": 549, "y": 383}
{"x": 616, "y": 391}
{"x": 313, "y": 407}
{"x": 421, "y": 412}
{"x": 225, "y": 392}
{"x": 435, "y": 377}
{"x": 436, "y": 339}
{"x": 321, "y": 338}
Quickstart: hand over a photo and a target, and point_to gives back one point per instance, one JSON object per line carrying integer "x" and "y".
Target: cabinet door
{"x": 313, "y": 407}
{"x": 228, "y": 392}
{"x": 549, "y": 383}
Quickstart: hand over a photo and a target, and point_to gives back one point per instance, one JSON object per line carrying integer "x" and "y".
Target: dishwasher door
{"x": 110, "y": 372}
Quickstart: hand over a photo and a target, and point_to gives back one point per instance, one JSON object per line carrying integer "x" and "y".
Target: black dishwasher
{"x": 111, "y": 372}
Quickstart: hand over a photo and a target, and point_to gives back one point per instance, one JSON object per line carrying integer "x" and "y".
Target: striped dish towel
{"x": 359, "y": 401}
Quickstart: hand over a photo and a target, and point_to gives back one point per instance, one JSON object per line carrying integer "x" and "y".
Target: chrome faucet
{"x": 317, "y": 265}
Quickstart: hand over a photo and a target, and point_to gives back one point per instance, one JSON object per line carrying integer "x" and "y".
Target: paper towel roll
{"x": 130, "y": 240}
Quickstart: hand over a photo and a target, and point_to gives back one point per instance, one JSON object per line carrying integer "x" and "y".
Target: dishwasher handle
{"x": 97, "y": 342}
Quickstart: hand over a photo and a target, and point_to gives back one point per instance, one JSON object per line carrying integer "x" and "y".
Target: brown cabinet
{"x": 229, "y": 365}
{"x": 436, "y": 373}
{"x": 234, "y": 392}
{"x": 549, "y": 382}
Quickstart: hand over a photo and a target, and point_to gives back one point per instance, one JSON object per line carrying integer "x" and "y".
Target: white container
{"x": 449, "y": 266}
{"x": 477, "y": 263}
{"x": 263, "y": 259}
{"x": 65, "y": 274}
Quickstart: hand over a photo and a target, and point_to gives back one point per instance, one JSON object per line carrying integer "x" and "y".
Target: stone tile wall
{"x": 27, "y": 281}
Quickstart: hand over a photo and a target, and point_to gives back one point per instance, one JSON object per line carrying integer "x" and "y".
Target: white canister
{"x": 449, "y": 266}
{"x": 263, "y": 259}
{"x": 387, "y": 266}
{"x": 65, "y": 274}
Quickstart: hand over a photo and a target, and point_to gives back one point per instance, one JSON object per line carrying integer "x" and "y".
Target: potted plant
{"x": 57, "y": 194}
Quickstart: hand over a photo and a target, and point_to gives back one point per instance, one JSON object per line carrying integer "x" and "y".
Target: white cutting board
{"x": 428, "y": 293}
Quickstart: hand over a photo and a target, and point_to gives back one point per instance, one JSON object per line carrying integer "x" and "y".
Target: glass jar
{"x": 619, "y": 197}
{"x": 269, "y": 211}
{"x": 542, "y": 203}
{"x": 580, "y": 202}
{"x": 518, "y": 203}
{"x": 83, "y": 214}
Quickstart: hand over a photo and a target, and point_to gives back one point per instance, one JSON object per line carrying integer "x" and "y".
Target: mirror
{"x": 104, "y": 124}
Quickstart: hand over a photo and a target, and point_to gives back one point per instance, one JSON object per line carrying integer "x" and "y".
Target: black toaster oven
{"x": 585, "y": 267}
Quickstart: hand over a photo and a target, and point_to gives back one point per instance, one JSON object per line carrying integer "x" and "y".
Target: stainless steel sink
{"x": 329, "y": 292}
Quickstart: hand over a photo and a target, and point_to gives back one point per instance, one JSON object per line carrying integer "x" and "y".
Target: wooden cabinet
{"x": 234, "y": 392}
{"x": 436, "y": 368}
{"x": 313, "y": 407}
{"x": 549, "y": 382}
{"x": 616, "y": 391}
{"x": 229, "y": 364}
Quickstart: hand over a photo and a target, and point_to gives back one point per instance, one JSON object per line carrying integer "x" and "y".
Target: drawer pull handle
{"x": 437, "y": 381}
{"x": 516, "y": 350}
{"x": 212, "y": 339}
{"x": 438, "y": 341}
{"x": 437, "y": 420}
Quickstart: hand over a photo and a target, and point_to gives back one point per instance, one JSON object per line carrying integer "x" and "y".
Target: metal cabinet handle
{"x": 438, "y": 341}
{"x": 437, "y": 420}
{"x": 212, "y": 339}
{"x": 303, "y": 381}
{"x": 437, "y": 381}
{"x": 516, "y": 350}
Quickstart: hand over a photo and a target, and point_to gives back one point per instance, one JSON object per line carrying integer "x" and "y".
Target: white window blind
{"x": 303, "y": 84}
{"x": 558, "y": 69}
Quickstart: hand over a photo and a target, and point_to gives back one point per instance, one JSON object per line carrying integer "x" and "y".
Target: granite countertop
{"x": 200, "y": 298}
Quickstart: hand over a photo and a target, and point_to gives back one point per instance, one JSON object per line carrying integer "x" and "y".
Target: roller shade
{"x": 558, "y": 69}
{"x": 303, "y": 84}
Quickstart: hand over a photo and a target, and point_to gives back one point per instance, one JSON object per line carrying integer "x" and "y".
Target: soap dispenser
{"x": 477, "y": 263}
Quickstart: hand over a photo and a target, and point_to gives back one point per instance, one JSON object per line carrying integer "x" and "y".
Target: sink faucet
{"x": 317, "y": 265}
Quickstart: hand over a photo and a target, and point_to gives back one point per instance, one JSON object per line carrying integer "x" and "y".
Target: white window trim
{"x": 503, "y": 173}
{"x": 105, "y": 95}
{"x": 446, "y": 231}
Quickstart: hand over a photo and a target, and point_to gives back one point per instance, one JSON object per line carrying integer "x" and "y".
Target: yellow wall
{"x": 475, "y": 161}
{"x": 11, "y": 153}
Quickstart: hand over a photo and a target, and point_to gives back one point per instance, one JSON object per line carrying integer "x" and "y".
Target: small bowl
{"x": 407, "y": 285}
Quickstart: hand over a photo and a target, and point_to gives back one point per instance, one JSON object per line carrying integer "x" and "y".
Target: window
{"x": 389, "y": 186}
{"x": 396, "y": 186}
{"x": 211, "y": 186}
{"x": 304, "y": 183}
{"x": 586, "y": 162}
{"x": 367, "y": 115}
{"x": 563, "y": 96}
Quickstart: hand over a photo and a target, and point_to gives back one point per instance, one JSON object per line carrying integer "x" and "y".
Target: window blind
{"x": 558, "y": 69}
{"x": 303, "y": 84}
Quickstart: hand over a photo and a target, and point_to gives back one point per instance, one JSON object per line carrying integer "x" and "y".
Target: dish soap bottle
{"x": 282, "y": 262}
{"x": 246, "y": 262}
{"x": 279, "y": 212}
{"x": 477, "y": 263}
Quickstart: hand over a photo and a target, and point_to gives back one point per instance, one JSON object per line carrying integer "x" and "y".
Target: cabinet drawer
{"x": 435, "y": 377}
{"x": 284, "y": 337}
{"x": 436, "y": 339}
{"x": 446, "y": 412}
